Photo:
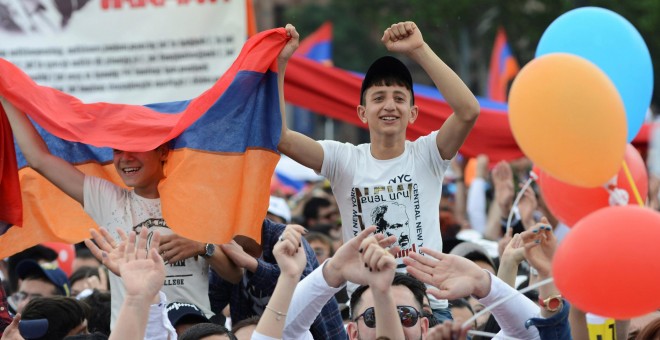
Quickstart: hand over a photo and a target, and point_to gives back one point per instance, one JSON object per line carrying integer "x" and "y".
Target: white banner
{"x": 128, "y": 51}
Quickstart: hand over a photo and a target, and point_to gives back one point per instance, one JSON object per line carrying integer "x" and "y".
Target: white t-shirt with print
{"x": 401, "y": 196}
{"x": 113, "y": 207}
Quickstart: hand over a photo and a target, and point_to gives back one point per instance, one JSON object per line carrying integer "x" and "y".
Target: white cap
{"x": 279, "y": 207}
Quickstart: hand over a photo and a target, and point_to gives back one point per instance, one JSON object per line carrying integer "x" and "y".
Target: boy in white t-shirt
{"x": 114, "y": 207}
{"x": 390, "y": 182}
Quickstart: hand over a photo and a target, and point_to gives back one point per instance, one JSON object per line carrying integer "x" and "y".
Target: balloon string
{"x": 491, "y": 335}
{"x": 516, "y": 201}
{"x": 632, "y": 184}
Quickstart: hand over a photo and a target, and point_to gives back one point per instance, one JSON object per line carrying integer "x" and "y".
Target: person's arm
{"x": 540, "y": 244}
{"x": 511, "y": 257}
{"x": 476, "y": 196}
{"x": 405, "y": 37}
{"x": 458, "y": 164}
{"x": 175, "y": 248}
{"x": 143, "y": 273}
{"x": 382, "y": 266}
{"x": 299, "y": 147}
{"x": 455, "y": 276}
{"x": 314, "y": 291}
{"x": 58, "y": 171}
{"x": 291, "y": 259}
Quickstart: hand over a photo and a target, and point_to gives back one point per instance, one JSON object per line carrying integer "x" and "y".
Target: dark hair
{"x": 462, "y": 303}
{"x": 311, "y": 209}
{"x": 491, "y": 326}
{"x": 475, "y": 256}
{"x": 416, "y": 287}
{"x": 36, "y": 253}
{"x": 253, "y": 320}
{"x": 83, "y": 273}
{"x": 98, "y": 320}
{"x": 387, "y": 71}
{"x": 201, "y": 330}
{"x": 91, "y": 336}
{"x": 650, "y": 331}
{"x": 321, "y": 237}
{"x": 85, "y": 253}
{"x": 63, "y": 313}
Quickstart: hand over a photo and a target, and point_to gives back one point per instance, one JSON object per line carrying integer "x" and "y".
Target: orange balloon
{"x": 608, "y": 264}
{"x": 570, "y": 203}
{"x": 569, "y": 119}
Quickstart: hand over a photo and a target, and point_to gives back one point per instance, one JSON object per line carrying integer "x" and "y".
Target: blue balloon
{"x": 612, "y": 43}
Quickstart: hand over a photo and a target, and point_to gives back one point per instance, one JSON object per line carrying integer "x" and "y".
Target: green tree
{"x": 460, "y": 31}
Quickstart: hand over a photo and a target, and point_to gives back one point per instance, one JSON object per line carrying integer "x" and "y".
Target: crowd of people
{"x": 395, "y": 244}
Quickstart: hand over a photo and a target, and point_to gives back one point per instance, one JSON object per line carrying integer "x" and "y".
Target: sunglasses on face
{"x": 407, "y": 314}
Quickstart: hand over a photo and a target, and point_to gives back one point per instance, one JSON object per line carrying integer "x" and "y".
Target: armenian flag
{"x": 224, "y": 151}
{"x": 503, "y": 68}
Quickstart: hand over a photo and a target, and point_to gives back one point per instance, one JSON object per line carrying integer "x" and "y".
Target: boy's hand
{"x": 290, "y": 46}
{"x": 174, "y": 248}
{"x": 403, "y": 37}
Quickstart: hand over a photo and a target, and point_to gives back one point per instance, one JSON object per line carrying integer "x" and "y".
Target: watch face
{"x": 210, "y": 249}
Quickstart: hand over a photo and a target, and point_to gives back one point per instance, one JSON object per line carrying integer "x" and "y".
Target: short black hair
{"x": 416, "y": 287}
{"x": 83, "y": 273}
{"x": 201, "y": 330}
{"x": 387, "y": 71}
{"x": 98, "y": 320}
{"x": 63, "y": 314}
{"x": 253, "y": 320}
{"x": 311, "y": 208}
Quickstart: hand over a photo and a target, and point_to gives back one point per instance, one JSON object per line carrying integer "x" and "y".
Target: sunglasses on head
{"x": 407, "y": 314}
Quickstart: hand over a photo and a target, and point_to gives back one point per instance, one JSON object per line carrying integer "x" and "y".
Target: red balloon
{"x": 65, "y": 255}
{"x": 608, "y": 264}
{"x": 570, "y": 203}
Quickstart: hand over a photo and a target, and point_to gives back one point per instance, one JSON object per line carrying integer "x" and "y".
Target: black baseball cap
{"x": 53, "y": 273}
{"x": 387, "y": 69}
{"x": 179, "y": 312}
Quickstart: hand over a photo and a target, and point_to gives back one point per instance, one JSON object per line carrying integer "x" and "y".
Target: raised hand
{"x": 346, "y": 264}
{"x": 291, "y": 45}
{"x": 289, "y": 253}
{"x": 142, "y": 272}
{"x": 527, "y": 205}
{"x": 452, "y": 276}
{"x": 12, "y": 332}
{"x": 111, "y": 253}
{"x": 379, "y": 264}
{"x": 514, "y": 250}
{"x": 503, "y": 182}
{"x": 540, "y": 244}
{"x": 403, "y": 37}
{"x": 447, "y": 330}
{"x": 511, "y": 257}
{"x": 236, "y": 254}
{"x": 174, "y": 248}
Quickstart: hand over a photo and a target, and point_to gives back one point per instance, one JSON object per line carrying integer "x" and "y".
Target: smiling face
{"x": 141, "y": 170}
{"x": 387, "y": 109}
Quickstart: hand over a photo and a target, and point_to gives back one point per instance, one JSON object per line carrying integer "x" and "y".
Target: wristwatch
{"x": 552, "y": 303}
{"x": 209, "y": 250}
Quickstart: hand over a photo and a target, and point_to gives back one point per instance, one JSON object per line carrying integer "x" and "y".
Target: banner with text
{"x": 128, "y": 51}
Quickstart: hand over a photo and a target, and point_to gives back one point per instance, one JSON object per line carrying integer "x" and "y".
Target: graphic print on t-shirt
{"x": 153, "y": 224}
{"x": 393, "y": 208}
